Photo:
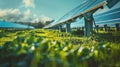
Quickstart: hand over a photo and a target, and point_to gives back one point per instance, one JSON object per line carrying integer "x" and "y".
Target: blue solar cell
{"x": 81, "y": 8}
{"x": 69, "y": 14}
{"x": 13, "y": 25}
{"x": 89, "y": 4}
{"x": 111, "y": 16}
{"x": 107, "y": 12}
{"x": 108, "y": 16}
{"x": 111, "y": 3}
{"x": 73, "y": 11}
{"x": 109, "y": 21}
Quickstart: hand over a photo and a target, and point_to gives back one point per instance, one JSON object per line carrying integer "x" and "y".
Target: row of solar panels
{"x": 14, "y": 25}
{"x": 111, "y": 16}
{"x": 108, "y": 17}
{"x": 87, "y": 6}
{"x": 78, "y": 11}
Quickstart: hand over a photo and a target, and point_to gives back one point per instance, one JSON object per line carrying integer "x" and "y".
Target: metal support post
{"x": 117, "y": 27}
{"x": 105, "y": 28}
{"x": 97, "y": 28}
{"x": 88, "y": 18}
{"x": 60, "y": 28}
{"x": 68, "y": 28}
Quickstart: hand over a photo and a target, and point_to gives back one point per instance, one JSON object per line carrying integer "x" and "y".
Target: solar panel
{"x": 73, "y": 11}
{"x": 107, "y": 12}
{"x": 13, "y": 25}
{"x": 69, "y": 14}
{"x": 88, "y": 5}
{"x": 112, "y": 21}
{"x": 111, "y": 16}
{"x": 82, "y": 8}
{"x": 111, "y": 3}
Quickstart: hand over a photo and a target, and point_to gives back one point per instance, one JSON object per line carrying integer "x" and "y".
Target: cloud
{"x": 28, "y": 3}
{"x": 27, "y": 12}
{"x": 15, "y": 15}
{"x": 10, "y": 14}
{"x": 27, "y": 16}
{"x": 41, "y": 18}
{"x": 9, "y": 11}
{"x": 22, "y": 14}
{"x": 36, "y": 18}
{"x": 44, "y": 19}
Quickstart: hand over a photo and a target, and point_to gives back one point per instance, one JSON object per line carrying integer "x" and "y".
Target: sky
{"x": 38, "y": 10}
{"x": 35, "y": 10}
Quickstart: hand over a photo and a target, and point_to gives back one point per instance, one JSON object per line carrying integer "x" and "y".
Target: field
{"x": 51, "y": 48}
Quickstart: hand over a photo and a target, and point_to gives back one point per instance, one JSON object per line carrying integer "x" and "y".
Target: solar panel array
{"x": 13, "y": 25}
{"x": 76, "y": 11}
{"x": 111, "y": 16}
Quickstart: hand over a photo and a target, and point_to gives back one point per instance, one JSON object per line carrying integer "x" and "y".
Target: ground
{"x": 51, "y": 48}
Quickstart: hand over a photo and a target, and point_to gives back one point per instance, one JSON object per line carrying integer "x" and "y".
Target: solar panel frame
{"x": 94, "y": 4}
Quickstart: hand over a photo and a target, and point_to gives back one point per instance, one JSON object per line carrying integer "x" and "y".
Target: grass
{"x": 49, "y": 48}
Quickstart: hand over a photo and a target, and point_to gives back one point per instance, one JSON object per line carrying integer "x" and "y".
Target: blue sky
{"x": 57, "y": 8}
{"x": 36, "y": 9}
